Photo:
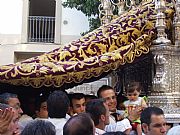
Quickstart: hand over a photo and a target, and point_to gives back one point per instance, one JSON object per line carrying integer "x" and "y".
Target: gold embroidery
{"x": 99, "y": 51}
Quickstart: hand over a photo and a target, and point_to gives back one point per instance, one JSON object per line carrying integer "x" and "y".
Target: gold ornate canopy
{"x": 105, "y": 49}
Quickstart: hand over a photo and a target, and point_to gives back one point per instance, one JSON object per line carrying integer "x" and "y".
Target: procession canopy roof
{"x": 103, "y": 50}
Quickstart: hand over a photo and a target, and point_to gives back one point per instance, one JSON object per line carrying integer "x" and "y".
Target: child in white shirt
{"x": 133, "y": 90}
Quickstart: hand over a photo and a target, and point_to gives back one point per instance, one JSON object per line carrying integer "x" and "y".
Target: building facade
{"x": 32, "y": 27}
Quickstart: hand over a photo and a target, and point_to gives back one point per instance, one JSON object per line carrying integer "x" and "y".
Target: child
{"x": 133, "y": 90}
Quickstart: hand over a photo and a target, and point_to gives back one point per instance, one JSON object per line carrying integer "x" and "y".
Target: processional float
{"x": 165, "y": 91}
{"x": 152, "y": 26}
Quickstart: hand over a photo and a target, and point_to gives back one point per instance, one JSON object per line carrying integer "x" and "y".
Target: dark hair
{"x": 80, "y": 124}
{"x": 39, "y": 127}
{"x": 103, "y": 88}
{"x": 132, "y": 86}
{"x": 39, "y": 100}
{"x": 148, "y": 112}
{"x": 4, "y": 98}
{"x": 120, "y": 100}
{"x": 90, "y": 97}
{"x": 96, "y": 108}
{"x": 114, "y": 133}
{"x": 4, "y": 106}
{"x": 76, "y": 96}
{"x": 57, "y": 104}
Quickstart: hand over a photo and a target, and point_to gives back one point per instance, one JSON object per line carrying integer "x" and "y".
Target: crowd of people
{"x": 77, "y": 114}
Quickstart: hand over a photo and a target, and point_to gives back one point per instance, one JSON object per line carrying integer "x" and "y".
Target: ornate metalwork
{"x": 177, "y": 24}
{"x": 140, "y": 71}
{"x": 160, "y": 23}
{"x": 132, "y": 4}
{"x": 107, "y": 7}
{"x": 106, "y": 11}
{"x": 166, "y": 82}
{"x": 120, "y": 5}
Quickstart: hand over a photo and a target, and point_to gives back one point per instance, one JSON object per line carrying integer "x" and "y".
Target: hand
{"x": 120, "y": 117}
{"x": 5, "y": 119}
{"x": 134, "y": 114}
{"x": 17, "y": 132}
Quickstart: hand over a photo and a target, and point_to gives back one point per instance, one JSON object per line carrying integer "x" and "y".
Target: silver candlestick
{"x": 160, "y": 23}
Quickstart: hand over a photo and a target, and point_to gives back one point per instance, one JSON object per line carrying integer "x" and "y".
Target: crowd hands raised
{"x": 77, "y": 114}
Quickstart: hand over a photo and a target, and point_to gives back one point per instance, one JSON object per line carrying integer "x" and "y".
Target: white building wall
{"x": 7, "y": 52}
{"x": 11, "y": 19}
{"x": 73, "y": 23}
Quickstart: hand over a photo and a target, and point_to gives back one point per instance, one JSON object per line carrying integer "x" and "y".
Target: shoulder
{"x": 126, "y": 102}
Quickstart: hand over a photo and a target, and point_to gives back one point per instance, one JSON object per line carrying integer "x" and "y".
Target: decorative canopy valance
{"x": 105, "y": 49}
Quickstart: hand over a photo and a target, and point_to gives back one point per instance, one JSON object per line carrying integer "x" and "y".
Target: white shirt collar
{"x": 99, "y": 131}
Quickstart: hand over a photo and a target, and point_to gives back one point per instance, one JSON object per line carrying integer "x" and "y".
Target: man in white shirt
{"x": 41, "y": 107}
{"x": 77, "y": 103}
{"x": 99, "y": 113}
{"x": 58, "y": 105}
{"x": 107, "y": 93}
{"x": 153, "y": 121}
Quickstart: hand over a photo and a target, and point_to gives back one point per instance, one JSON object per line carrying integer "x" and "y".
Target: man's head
{"x": 114, "y": 133}
{"x": 41, "y": 107}
{"x": 13, "y": 101}
{"x": 57, "y": 104}
{"x": 90, "y": 97}
{"x": 39, "y": 127}
{"x": 80, "y": 124}
{"x": 153, "y": 121}
{"x": 99, "y": 112}
{"x": 13, "y": 125}
{"x": 107, "y": 92}
{"x": 78, "y": 102}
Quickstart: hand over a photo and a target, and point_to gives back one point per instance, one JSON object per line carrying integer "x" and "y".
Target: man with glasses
{"x": 13, "y": 101}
